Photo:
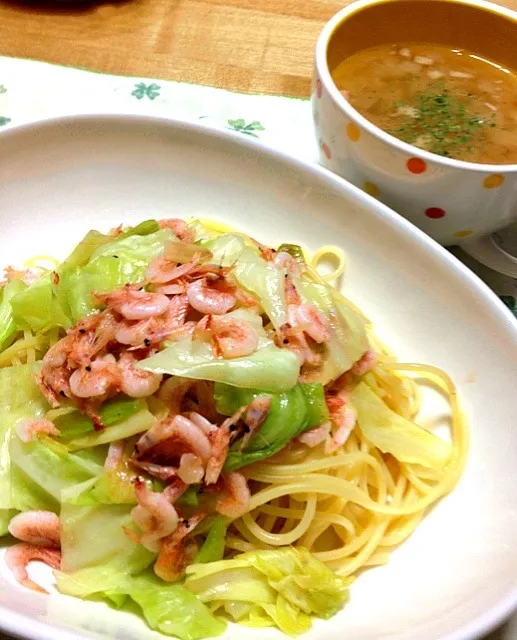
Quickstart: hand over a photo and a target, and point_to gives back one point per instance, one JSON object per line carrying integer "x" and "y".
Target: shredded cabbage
{"x": 75, "y": 424}
{"x": 108, "y": 267}
{"x": 50, "y": 465}
{"x": 8, "y": 325}
{"x": 20, "y": 399}
{"x": 269, "y": 368}
{"x": 392, "y": 433}
{"x": 136, "y": 423}
{"x": 38, "y": 308}
{"x": 226, "y": 249}
{"x": 266, "y": 281}
{"x": 291, "y": 413}
{"x": 213, "y": 546}
{"x": 285, "y": 585}
{"x": 168, "y": 608}
{"x": 348, "y": 340}
{"x": 93, "y": 536}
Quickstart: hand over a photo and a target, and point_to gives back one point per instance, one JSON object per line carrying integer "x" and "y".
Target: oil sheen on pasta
{"x": 446, "y": 101}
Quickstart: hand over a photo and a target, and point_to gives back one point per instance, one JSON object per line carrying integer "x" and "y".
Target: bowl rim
{"x": 323, "y": 72}
{"x": 33, "y": 629}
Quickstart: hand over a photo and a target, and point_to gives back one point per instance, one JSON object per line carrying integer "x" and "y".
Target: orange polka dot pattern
{"x": 352, "y": 131}
{"x": 371, "y": 189}
{"x": 493, "y": 181}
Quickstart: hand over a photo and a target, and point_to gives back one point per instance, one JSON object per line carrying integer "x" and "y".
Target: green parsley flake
{"x": 441, "y": 123}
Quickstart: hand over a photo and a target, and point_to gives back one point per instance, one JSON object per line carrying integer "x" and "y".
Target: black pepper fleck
{"x": 88, "y": 368}
{"x": 147, "y": 342}
{"x": 82, "y": 331}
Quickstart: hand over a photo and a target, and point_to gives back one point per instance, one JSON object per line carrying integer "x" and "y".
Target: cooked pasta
{"x": 197, "y": 408}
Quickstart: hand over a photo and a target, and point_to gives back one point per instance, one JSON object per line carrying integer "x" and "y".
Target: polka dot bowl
{"x": 450, "y": 200}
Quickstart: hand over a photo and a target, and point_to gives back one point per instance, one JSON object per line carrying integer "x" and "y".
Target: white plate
{"x": 457, "y": 576}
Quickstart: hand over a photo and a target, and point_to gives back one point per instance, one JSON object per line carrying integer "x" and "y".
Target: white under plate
{"x": 457, "y": 576}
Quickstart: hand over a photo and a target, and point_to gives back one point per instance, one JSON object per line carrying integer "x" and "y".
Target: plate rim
{"x": 22, "y": 626}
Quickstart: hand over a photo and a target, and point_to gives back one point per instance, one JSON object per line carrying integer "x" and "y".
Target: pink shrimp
{"x": 306, "y": 318}
{"x": 154, "y": 514}
{"x": 315, "y": 436}
{"x": 202, "y": 330}
{"x": 314, "y": 322}
{"x": 175, "y": 489}
{"x": 233, "y": 338}
{"x": 115, "y": 455}
{"x": 27, "y": 276}
{"x": 211, "y": 271}
{"x": 18, "y": 557}
{"x": 266, "y": 252}
{"x": 91, "y": 335}
{"x": 256, "y": 413}
{"x": 292, "y": 296}
{"x": 220, "y": 440}
{"x": 133, "y": 333}
{"x": 39, "y": 528}
{"x": 344, "y": 418}
{"x": 28, "y": 430}
{"x": 115, "y": 231}
{"x": 171, "y": 289}
{"x": 205, "y": 297}
{"x": 180, "y": 229}
{"x": 173, "y": 437}
{"x": 55, "y": 372}
{"x": 286, "y": 261}
{"x": 185, "y": 331}
{"x": 366, "y": 363}
{"x": 133, "y": 303}
{"x": 174, "y": 555}
{"x": 247, "y": 300}
{"x": 238, "y": 495}
{"x": 295, "y": 341}
{"x": 155, "y": 330}
{"x": 162, "y": 270}
{"x": 205, "y": 425}
{"x": 53, "y": 384}
{"x": 58, "y": 353}
{"x": 96, "y": 379}
{"x": 191, "y": 469}
{"x": 136, "y": 383}
{"x": 160, "y": 471}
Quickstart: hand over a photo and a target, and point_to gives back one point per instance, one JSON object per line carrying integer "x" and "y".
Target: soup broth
{"x": 446, "y": 101}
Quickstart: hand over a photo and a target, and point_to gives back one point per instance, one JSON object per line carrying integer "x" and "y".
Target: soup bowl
{"x": 451, "y": 200}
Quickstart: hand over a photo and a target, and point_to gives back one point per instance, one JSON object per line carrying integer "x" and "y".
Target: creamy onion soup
{"x": 446, "y": 101}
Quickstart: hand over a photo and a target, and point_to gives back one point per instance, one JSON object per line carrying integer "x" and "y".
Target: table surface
{"x": 252, "y": 46}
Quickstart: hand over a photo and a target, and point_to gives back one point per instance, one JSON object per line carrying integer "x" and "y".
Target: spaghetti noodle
{"x": 344, "y": 472}
{"x": 353, "y": 508}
